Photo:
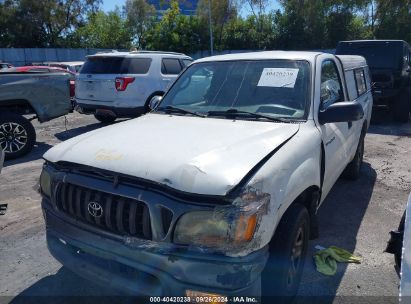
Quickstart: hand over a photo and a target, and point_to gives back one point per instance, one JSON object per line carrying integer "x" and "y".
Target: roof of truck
{"x": 296, "y": 55}
{"x": 350, "y": 62}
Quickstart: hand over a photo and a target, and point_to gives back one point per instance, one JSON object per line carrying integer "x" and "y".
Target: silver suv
{"x": 121, "y": 84}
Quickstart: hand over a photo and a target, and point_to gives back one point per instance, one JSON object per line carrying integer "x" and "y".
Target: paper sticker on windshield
{"x": 278, "y": 78}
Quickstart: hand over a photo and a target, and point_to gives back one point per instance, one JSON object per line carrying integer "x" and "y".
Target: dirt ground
{"x": 356, "y": 216}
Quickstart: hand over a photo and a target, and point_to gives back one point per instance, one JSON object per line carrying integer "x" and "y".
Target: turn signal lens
{"x": 245, "y": 228}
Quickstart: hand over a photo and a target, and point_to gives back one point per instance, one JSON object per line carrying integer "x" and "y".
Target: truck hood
{"x": 206, "y": 156}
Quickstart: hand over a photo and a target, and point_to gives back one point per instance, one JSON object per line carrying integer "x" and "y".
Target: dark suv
{"x": 390, "y": 65}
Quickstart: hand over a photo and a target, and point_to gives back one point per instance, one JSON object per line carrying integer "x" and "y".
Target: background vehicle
{"x": 71, "y": 66}
{"x": 46, "y": 69}
{"x": 5, "y": 65}
{"x": 400, "y": 246}
{"x": 390, "y": 65}
{"x": 46, "y": 95}
{"x": 121, "y": 84}
{"x": 224, "y": 177}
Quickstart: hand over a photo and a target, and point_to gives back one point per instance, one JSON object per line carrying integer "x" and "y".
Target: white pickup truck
{"x": 216, "y": 191}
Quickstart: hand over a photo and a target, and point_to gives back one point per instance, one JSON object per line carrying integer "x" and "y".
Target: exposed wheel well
{"x": 18, "y": 106}
{"x": 309, "y": 198}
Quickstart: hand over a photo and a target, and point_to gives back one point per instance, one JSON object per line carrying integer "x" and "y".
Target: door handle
{"x": 349, "y": 124}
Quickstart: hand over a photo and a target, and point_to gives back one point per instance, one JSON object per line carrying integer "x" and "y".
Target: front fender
{"x": 288, "y": 173}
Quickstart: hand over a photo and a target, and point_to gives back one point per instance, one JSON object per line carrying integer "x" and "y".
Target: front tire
{"x": 17, "y": 135}
{"x": 282, "y": 274}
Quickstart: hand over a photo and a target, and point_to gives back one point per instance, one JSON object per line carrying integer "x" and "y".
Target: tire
{"x": 291, "y": 237}
{"x": 401, "y": 108}
{"x": 17, "y": 135}
{"x": 105, "y": 119}
{"x": 353, "y": 169}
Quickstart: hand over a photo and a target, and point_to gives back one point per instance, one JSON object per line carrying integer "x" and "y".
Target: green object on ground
{"x": 326, "y": 259}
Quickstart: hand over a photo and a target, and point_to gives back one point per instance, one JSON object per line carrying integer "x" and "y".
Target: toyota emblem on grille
{"x": 95, "y": 209}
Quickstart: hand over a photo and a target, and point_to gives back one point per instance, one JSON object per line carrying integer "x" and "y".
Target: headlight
{"x": 223, "y": 226}
{"x": 45, "y": 183}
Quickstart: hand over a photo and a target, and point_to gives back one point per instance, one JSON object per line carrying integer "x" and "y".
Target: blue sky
{"x": 109, "y": 5}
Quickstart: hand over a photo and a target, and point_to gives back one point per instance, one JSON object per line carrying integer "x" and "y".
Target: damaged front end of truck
{"x": 137, "y": 236}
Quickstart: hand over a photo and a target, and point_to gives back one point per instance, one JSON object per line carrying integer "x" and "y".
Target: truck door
{"x": 334, "y": 135}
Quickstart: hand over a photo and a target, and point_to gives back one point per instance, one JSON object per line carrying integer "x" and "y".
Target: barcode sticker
{"x": 278, "y": 78}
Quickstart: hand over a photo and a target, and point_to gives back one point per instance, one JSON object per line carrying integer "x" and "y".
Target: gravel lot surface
{"x": 356, "y": 216}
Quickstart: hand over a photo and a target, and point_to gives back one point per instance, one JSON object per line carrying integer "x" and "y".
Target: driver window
{"x": 331, "y": 89}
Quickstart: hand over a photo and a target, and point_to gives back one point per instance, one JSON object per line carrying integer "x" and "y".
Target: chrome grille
{"x": 120, "y": 215}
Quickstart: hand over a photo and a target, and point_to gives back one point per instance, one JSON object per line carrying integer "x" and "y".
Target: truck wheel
{"x": 17, "y": 135}
{"x": 401, "y": 108}
{"x": 106, "y": 119}
{"x": 282, "y": 273}
{"x": 352, "y": 171}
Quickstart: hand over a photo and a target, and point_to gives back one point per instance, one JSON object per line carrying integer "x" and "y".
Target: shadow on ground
{"x": 38, "y": 151}
{"x": 340, "y": 217}
{"x": 70, "y": 133}
{"x": 67, "y": 287}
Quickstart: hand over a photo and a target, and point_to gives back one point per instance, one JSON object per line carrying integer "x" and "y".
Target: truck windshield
{"x": 273, "y": 88}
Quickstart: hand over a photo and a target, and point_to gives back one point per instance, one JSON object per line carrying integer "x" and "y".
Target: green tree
{"x": 393, "y": 19}
{"x": 222, "y": 11}
{"x": 104, "y": 31}
{"x": 141, "y": 17}
{"x": 46, "y": 23}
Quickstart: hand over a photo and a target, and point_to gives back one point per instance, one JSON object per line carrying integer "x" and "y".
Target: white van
{"x": 121, "y": 84}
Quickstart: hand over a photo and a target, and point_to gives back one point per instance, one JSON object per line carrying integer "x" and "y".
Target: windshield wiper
{"x": 172, "y": 109}
{"x": 236, "y": 113}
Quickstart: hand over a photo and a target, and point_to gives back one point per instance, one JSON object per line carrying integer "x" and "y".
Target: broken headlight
{"x": 45, "y": 183}
{"x": 223, "y": 226}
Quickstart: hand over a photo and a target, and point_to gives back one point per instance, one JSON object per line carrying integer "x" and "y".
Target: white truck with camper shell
{"x": 216, "y": 190}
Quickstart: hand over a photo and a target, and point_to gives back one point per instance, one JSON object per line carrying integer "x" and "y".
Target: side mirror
{"x": 154, "y": 102}
{"x": 341, "y": 112}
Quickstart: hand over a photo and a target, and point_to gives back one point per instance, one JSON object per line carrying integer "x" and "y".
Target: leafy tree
{"x": 43, "y": 23}
{"x": 140, "y": 18}
{"x": 394, "y": 19}
{"x": 222, "y": 11}
{"x": 104, "y": 31}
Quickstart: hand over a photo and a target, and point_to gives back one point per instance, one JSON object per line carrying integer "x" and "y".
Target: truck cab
{"x": 214, "y": 192}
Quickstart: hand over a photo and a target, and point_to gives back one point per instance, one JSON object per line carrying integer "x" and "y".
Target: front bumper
{"x": 144, "y": 269}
